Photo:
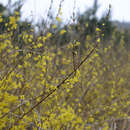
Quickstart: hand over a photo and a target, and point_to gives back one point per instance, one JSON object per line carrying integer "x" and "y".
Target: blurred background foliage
{"x": 84, "y": 26}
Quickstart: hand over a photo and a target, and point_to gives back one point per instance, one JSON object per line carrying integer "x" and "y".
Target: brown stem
{"x": 58, "y": 86}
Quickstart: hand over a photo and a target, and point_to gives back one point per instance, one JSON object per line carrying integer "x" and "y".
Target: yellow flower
{"x": 98, "y": 29}
{"x": 91, "y": 119}
{"x": 11, "y": 20}
{"x": 77, "y": 43}
{"x": 86, "y": 25}
{"x": 54, "y": 26}
{"x": 62, "y": 31}
{"x": 44, "y": 39}
{"x": 49, "y": 35}
{"x": 39, "y": 45}
{"x": 30, "y": 40}
{"x": 98, "y": 40}
{"x": 58, "y": 19}
{"x": 22, "y": 97}
{"x": 16, "y": 13}
{"x": 1, "y": 19}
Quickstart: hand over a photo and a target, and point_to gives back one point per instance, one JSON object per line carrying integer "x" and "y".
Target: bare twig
{"x": 58, "y": 86}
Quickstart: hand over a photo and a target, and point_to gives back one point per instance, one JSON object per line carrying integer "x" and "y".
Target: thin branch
{"x": 58, "y": 86}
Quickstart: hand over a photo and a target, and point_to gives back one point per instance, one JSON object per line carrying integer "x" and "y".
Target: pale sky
{"x": 38, "y": 8}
